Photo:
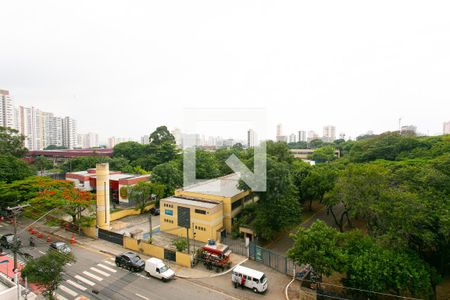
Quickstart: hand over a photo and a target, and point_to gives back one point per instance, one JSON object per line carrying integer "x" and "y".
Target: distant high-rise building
{"x": 292, "y": 138}
{"x": 312, "y": 135}
{"x": 178, "y": 137}
{"x": 279, "y": 129}
{"x": 88, "y": 140}
{"x": 342, "y": 136}
{"x": 446, "y": 127}
{"x": 280, "y": 137}
{"x": 302, "y": 136}
{"x": 408, "y": 129}
{"x": 329, "y": 133}
{"x": 69, "y": 133}
{"x": 6, "y": 110}
{"x": 252, "y": 140}
{"x": 145, "y": 139}
{"x": 113, "y": 141}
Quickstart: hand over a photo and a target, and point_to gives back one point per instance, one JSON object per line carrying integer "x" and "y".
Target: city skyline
{"x": 303, "y": 71}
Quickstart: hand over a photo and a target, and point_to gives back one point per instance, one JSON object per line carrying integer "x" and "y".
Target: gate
{"x": 271, "y": 259}
{"x": 110, "y": 236}
{"x": 170, "y": 255}
{"x": 262, "y": 255}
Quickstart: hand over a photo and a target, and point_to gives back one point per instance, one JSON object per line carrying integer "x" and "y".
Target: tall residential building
{"x": 69, "y": 133}
{"x": 279, "y": 129}
{"x": 280, "y": 137}
{"x": 145, "y": 139}
{"x": 302, "y": 136}
{"x": 252, "y": 139}
{"x": 312, "y": 135}
{"x": 6, "y": 110}
{"x": 446, "y": 127}
{"x": 24, "y": 125}
{"x": 178, "y": 137}
{"x": 329, "y": 133}
{"x": 292, "y": 138}
{"x": 113, "y": 141}
{"x": 88, "y": 140}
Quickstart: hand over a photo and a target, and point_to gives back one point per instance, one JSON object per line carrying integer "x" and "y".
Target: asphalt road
{"x": 94, "y": 270}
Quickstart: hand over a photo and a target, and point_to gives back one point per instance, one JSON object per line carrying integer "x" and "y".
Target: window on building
{"x": 236, "y": 204}
{"x": 200, "y": 211}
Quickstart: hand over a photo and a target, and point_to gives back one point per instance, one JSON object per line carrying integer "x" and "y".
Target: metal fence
{"x": 265, "y": 256}
{"x": 110, "y": 236}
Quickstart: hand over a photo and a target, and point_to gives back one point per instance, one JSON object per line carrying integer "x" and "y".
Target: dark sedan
{"x": 130, "y": 261}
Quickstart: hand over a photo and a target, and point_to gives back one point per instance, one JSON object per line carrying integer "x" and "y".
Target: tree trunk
{"x": 310, "y": 204}
{"x": 335, "y": 219}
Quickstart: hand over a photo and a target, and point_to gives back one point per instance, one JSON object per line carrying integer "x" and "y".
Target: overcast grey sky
{"x": 123, "y": 68}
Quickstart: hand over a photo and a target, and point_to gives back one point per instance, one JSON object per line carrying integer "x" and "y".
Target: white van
{"x": 156, "y": 268}
{"x": 255, "y": 280}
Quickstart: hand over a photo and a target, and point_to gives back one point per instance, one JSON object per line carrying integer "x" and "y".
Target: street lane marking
{"x": 41, "y": 252}
{"x": 78, "y": 286}
{"x": 112, "y": 258}
{"x": 100, "y": 271}
{"x": 92, "y": 276}
{"x": 140, "y": 296}
{"x": 107, "y": 268}
{"x": 67, "y": 290}
{"x": 80, "y": 278}
{"x": 59, "y": 297}
{"x": 109, "y": 263}
{"x": 69, "y": 264}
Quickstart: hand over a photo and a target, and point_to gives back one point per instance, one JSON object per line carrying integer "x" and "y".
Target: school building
{"x": 206, "y": 208}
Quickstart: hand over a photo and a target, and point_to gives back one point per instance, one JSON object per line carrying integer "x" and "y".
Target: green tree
{"x": 11, "y": 142}
{"x": 129, "y": 150}
{"x": 278, "y": 207}
{"x": 279, "y": 151}
{"x": 42, "y": 163}
{"x": 316, "y": 182}
{"x": 46, "y": 271}
{"x": 168, "y": 174}
{"x": 324, "y": 154}
{"x": 143, "y": 193}
{"x": 12, "y": 168}
{"x": 317, "y": 246}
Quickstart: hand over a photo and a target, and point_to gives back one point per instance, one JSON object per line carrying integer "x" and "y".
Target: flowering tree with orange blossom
{"x": 62, "y": 194}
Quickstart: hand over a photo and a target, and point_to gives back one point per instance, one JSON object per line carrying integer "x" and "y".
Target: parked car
{"x": 130, "y": 261}
{"x": 7, "y": 241}
{"x": 60, "y": 247}
{"x": 154, "y": 211}
{"x": 156, "y": 268}
{"x": 252, "y": 279}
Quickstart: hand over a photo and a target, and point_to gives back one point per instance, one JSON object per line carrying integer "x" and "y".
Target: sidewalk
{"x": 112, "y": 249}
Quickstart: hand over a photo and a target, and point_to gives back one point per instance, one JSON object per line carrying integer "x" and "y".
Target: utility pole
{"x": 187, "y": 238}
{"x": 15, "y": 211}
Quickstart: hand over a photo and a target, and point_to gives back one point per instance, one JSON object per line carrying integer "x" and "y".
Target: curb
{"x": 213, "y": 275}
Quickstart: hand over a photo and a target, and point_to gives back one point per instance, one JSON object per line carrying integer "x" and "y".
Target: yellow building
{"x": 222, "y": 192}
{"x": 205, "y": 218}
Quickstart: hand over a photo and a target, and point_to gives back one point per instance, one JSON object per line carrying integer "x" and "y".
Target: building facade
{"x": 7, "y": 112}
{"x": 292, "y": 138}
{"x": 212, "y": 206}
{"x": 302, "y": 136}
{"x": 69, "y": 133}
{"x": 251, "y": 138}
{"x": 86, "y": 180}
{"x": 446, "y": 127}
{"x": 329, "y": 133}
{"x": 88, "y": 140}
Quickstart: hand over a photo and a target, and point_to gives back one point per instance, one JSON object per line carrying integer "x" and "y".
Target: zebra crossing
{"x": 88, "y": 279}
